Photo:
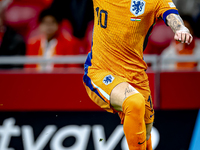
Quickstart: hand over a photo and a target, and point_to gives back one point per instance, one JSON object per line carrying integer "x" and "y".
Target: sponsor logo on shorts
{"x": 108, "y": 79}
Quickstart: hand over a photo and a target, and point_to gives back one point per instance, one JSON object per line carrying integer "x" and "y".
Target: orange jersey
{"x": 120, "y": 28}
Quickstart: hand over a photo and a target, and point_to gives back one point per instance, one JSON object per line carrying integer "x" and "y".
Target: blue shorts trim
{"x": 87, "y": 79}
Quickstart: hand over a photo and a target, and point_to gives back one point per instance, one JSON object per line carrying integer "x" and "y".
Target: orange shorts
{"x": 99, "y": 83}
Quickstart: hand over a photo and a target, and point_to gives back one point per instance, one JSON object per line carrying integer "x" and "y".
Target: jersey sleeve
{"x": 164, "y": 8}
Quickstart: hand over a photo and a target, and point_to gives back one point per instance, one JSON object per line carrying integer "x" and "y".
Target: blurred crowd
{"x": 50, "y": 28}
{"x": 39, "y": 28}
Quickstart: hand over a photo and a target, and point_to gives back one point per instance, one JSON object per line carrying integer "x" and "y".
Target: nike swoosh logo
{"x": 142, "y": 142}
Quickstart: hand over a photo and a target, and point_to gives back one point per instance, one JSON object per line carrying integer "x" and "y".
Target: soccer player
{"x": 115, "y": 77}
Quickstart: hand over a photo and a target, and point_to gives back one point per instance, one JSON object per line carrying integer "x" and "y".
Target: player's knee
{"x": 139, "y": 102}
{"x": 136, "y": 102}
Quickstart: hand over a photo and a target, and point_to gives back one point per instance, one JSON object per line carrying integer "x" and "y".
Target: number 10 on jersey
{"x": 102, "y": 16}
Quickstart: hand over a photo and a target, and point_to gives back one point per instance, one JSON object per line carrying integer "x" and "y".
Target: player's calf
{"x": 134, "y": 125}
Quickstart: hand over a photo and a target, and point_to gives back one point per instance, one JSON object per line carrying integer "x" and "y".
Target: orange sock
{"x": 134, "y": 125}
{"x": 149, "y": 144}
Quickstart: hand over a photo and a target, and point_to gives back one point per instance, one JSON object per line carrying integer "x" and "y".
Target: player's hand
{"x": 183, "y": 36}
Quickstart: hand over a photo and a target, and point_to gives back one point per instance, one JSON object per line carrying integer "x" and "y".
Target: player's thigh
{"x": 99, "y": 83}
{"x": 120, "y": 93}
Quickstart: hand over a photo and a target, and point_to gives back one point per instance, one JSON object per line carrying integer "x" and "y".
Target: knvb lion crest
{"x": 108, "y": 79}
{"x": 137, "y": 7}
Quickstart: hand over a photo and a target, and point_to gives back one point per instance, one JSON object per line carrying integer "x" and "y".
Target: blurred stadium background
{"x": 47, "y": 108}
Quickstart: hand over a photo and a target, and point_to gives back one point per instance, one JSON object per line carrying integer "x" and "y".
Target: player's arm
{"x": 182, "y": 33}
